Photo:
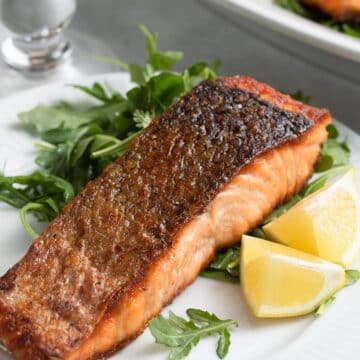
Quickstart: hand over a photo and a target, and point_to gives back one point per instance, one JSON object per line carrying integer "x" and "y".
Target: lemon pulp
{"x": 325, "y": 224}
{"x": 278, "y": 281}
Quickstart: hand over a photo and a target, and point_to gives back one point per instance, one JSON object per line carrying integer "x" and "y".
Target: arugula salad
{"x": 76, "y": 144}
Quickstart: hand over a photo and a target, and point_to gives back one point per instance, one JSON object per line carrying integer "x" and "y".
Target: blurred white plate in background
{"x": 268, "y": 14}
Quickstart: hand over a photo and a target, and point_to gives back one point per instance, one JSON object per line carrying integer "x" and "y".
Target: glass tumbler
{"x": 36, "y": 27}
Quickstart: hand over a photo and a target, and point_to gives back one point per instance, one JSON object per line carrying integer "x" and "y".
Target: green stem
{"x": 112, "y": 60}
{"x": 23, "y": 213}
{"x": 44, "y": 145}
{"x": 113, "y": 149}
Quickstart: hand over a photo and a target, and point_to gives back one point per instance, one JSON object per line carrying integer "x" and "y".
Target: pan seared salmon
{"x": 342, "y": 10}
{"x": 199, "y": 176}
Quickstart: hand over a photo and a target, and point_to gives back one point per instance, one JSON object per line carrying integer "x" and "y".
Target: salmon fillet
{"x": 342, "y": 10}
{"x": 199, "y": 176}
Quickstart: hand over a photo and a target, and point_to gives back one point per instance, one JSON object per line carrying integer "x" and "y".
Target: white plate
{"x": 266, "y": 13}
{"x": 333, "y": 336}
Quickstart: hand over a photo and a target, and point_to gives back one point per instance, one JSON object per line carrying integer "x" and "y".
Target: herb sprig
{"x": 181, "y": 335}
{"x": 225, "y": 266}
{"x": 351, "y": 276}
{"x": 351, "y": 29}
{"x": 77, "y": 144}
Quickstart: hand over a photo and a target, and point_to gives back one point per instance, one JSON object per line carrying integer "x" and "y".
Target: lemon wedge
{"x": 278, "y": 281}
{"x": 325, "y": 224}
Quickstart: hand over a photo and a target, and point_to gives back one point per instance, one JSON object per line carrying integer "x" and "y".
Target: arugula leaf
{"x": 160, "y": 60}
{"x": 258, "y": 232}
{"x": 225, "y": 265}
{"x": 30, "y": 187}
{"x": 223, "y": 344}
{"x": 63, "y": 116}
{"x": 104, "y": 94}
{"x": 156, "y": 60}
{"x": 138, "y": 75}
{"x": 351, "y": 30}
{"x": 333, "y": 152}
{"x": 221, "y": 275}
{"x": 43, "y": 206}
{"x": 352, "y": 276}
{"x": 324, "y": 306}
{"x": 181, "y": 335}
{"x": 166, "y": 88}
{"x": 40, "y": 193}
{"x": 300, "y": 96}
{"x": 322, "y": 180}
{"x": 332, "y": 131}
{"x": 45, "y": 118}
{"x": 293, "y": 6}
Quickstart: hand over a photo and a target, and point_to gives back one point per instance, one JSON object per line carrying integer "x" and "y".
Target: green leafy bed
{"x": 351, "y": 29}
{"x": 76, "y": 144}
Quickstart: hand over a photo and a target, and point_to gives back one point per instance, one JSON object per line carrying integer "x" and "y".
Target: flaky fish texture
{"x": 199, "y": 176}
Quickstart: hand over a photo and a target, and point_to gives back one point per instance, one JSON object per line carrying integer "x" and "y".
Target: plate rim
{"x": 295, "y": 26}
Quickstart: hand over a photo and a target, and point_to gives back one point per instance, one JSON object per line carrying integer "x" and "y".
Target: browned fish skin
{"x": 103, "y": 243}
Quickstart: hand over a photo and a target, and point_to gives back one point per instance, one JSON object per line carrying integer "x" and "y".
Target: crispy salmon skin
{"x": 342, "y": 10}
{"x": 199, "y": 176}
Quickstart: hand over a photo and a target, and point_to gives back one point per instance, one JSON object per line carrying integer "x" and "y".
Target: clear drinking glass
{"x": 36, "y": 32}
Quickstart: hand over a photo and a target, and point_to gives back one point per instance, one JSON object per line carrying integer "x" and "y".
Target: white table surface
{"x": 109, "y": 27}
